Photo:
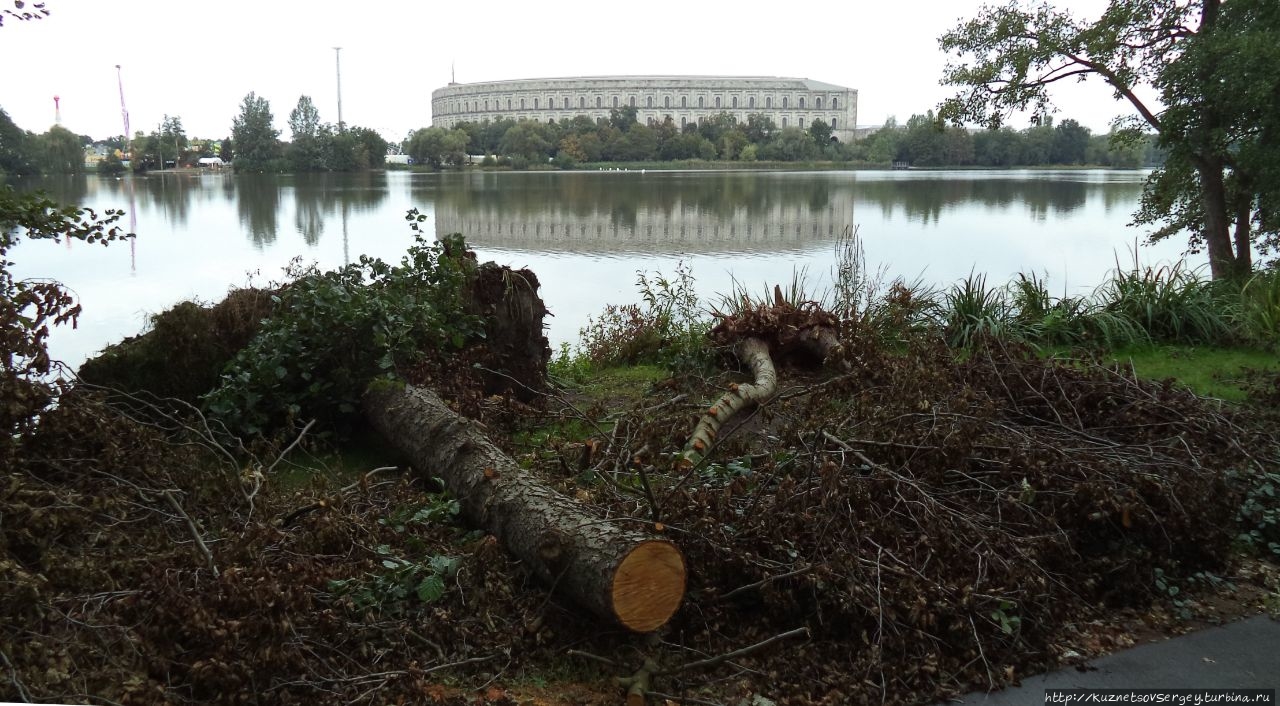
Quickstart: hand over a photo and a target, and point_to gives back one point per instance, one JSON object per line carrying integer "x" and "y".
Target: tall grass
{"x": 1170, "y": 303}
{"x": 1258, "y": 316}
{"x": 971, "y": 311}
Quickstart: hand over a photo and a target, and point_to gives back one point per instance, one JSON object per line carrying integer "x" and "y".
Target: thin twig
{"x": 729, "y": 656}
{"x": 758, "y": 584}
{"x": 594, "y": 658}
{"x": 13, "y": 677}
{"x": 191, "y": 525}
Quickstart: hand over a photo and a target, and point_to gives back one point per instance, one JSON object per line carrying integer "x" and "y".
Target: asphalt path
{"x": 1240, "y": 655}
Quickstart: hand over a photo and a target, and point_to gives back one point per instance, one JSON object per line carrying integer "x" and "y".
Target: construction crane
{"x": 124, "y": 113}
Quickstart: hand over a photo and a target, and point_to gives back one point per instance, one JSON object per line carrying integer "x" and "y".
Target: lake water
{"x": 586, "y": 234}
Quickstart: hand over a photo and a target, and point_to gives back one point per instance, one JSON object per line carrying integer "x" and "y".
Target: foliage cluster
{"x": 622, "y": 138}
{"x": 29, "y": 308}
{"x": 184, "y": 352}
{"x": 926, "y": 141}
{"x": 315, "y": 146}
{"x": 332, "y": 332}
{"x": 669, "y": 328}
{"x": 56, "y": 151}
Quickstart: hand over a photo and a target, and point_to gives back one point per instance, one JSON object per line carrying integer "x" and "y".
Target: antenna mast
{"x": 337, "y": 55}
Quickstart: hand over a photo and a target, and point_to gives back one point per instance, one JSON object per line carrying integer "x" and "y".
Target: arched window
{"x": 582, "y": 101}
{"x": 835, "y": 104}
{"x": 784, "y": 122}
{"x": 682, "y": 123}
{"x": 699, "y": 101}
{"x": 784, "y": 101}
{"x": 817, "y": 102}
{"x": 508, "y": 104}
{"x": 684, "y": 102}
{"x": 768, "y": 101}
{"x": 802, "y": 102}
{"x": 566, "y": 102}
{"x": 833, "y": 123}
{"x": 649, "y": 101}
{"x": 751, "y": 102}
{"x": 633, "y": 101}
{"x": 735, "y": 101}
{"x": 535, "y": 103}
{"x": 521, "y": 104}
{"x": 615, "y": 101}
{"x": 666, "y": 101}
{"x": 486, "y": 105}
{"x": 599, "y": 101}
{"x": 717, "y": 101}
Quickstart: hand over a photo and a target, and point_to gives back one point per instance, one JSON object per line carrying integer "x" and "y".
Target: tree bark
{"x": 1217, "y": 227}
{"x": 754, "y": 352}
{"x": 633, "y": 578}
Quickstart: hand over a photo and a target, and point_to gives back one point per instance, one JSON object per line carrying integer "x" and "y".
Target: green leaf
{"x": 430, "y": 589}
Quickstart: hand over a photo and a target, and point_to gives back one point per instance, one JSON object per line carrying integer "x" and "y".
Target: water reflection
{"x": 729, "y": 212}
{"x": 638, "y": 213}
{"x": 258, "y": 205}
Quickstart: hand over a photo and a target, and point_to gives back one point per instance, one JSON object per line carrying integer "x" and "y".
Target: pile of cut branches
{"x": 940, "y": 521}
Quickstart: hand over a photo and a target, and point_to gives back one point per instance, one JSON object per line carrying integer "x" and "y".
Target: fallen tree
{"x": 621, "y": 574}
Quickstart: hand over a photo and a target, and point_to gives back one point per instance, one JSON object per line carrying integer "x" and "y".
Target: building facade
{"x": 790, "y": 102}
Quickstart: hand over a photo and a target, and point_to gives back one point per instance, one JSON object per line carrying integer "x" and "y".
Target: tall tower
{"x": 337, "y": 57}
{"x": 57, "y": 111}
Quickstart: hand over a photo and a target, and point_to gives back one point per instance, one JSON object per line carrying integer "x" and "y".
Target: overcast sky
{"x": 197, "y": 59}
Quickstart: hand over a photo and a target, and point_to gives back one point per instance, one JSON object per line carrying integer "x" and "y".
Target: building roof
{"x": 782, "y": 81}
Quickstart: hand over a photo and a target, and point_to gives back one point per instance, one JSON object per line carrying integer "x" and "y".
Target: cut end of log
{"x": 648, "y": 586}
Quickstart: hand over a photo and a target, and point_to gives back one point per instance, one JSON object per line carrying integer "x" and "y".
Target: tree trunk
{"x": 633, "y": 578}
{"x": 1217, "y": 225}
{"x": 1244, "y": 223}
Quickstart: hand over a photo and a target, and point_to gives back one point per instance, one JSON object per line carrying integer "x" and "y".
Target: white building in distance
{"x": 790, "y": 102}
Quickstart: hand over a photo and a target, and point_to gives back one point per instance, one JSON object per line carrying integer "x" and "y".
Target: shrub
{"x": 333, "y": 332}
{"x": 669, "y": 329}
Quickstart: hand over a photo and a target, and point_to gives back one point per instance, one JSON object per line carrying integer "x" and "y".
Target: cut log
{"x": 633, "y": 578}
{"x": 753, "y": 352}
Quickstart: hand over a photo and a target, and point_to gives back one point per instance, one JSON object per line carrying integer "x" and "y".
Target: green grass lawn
{"x": 1208, "y": 371}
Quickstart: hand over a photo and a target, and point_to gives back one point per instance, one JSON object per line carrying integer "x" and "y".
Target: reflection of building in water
{"x": 774, "y": 227}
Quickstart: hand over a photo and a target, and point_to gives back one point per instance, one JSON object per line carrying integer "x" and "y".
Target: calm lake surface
{"x": 585, "y": 234}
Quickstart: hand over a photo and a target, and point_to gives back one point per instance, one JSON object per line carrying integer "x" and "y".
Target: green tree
{"x": 790, "y": 145}
{"x": 16, "y": 148}
{"x": 306, "y": 154}
{"x": 1214, "y": 65}
{"x": 1070, "y": 143}
{"x": 171, "y": 140}
{"x": 760, "y": 128}
{"x": 526, "y": 140}
{"x": 61, "y": 152}
{"x": 623, "y": 118}
{"x": 437, "y": 146}
{"x": 256, "y": 139}
{"x": 820, "y": 131}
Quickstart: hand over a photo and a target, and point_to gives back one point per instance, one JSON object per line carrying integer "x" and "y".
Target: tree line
{"x": 315, "y": 146}
{"x": 923, "y": 141}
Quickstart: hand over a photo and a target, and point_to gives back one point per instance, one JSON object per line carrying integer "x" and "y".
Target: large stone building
{"x": 790, "y": 102}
